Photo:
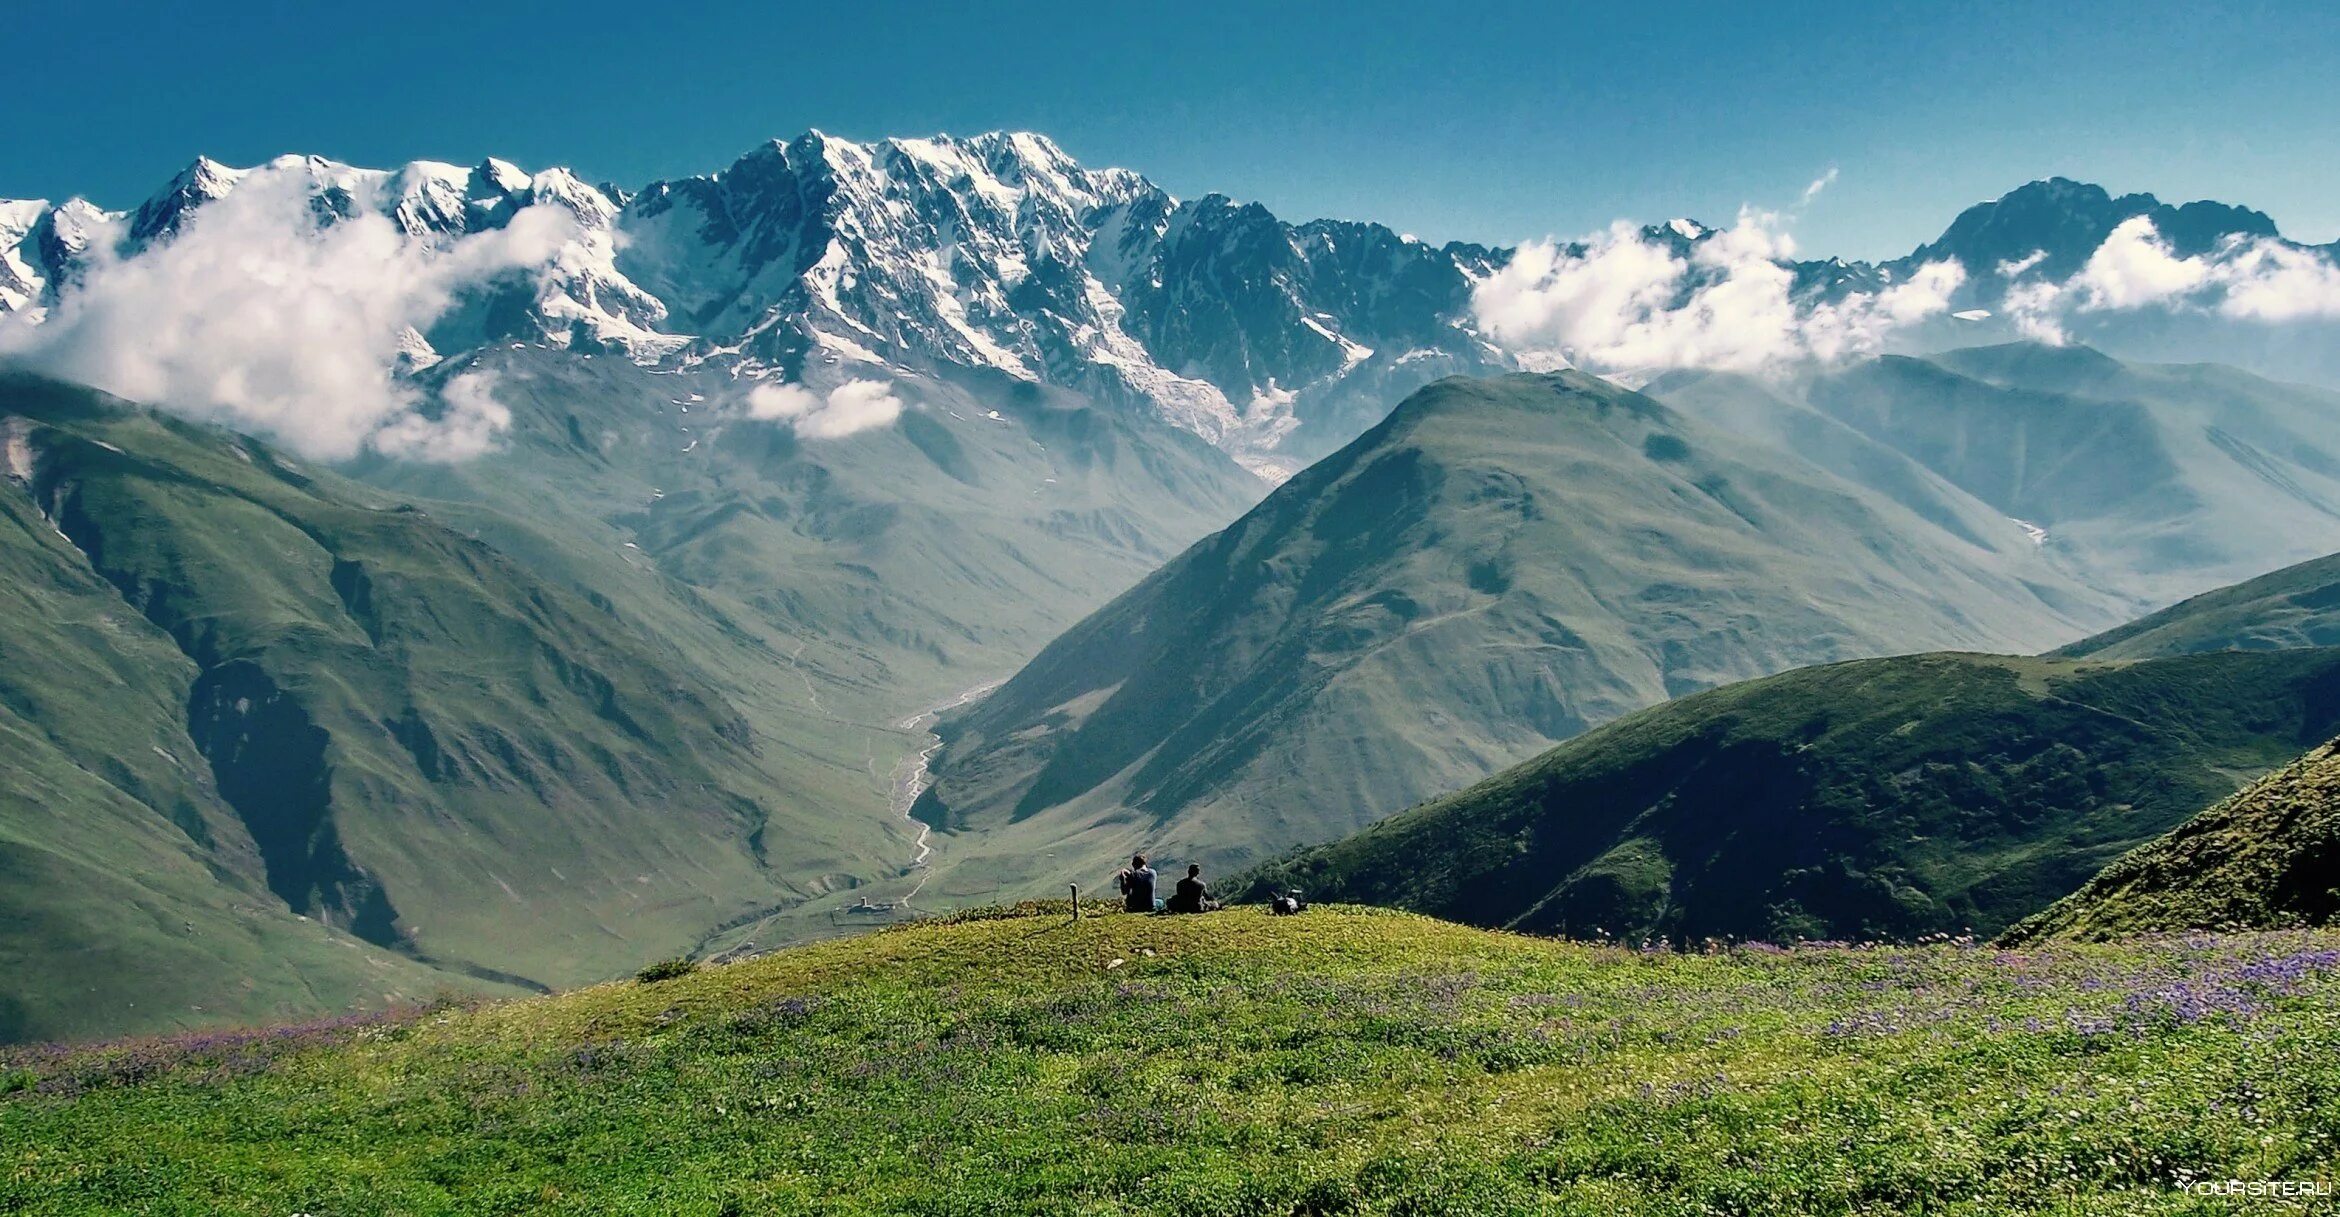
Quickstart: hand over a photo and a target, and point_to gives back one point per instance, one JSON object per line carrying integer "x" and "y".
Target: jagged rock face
{"x": 1297, "y": 317}
{"x": 910, "y": 248}
{"x": 2065, "y": 221}
{"x": 1000, "y": 252}
{"x": 44, "y": 249}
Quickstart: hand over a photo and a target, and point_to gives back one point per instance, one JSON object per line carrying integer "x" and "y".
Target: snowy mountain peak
{"x": 17, "y": 216}
{"x": 1000, "y": 251}
{"x": 204, "y": 181}
{"x": 502, "y": 175}
{"x": 21, "y": 282}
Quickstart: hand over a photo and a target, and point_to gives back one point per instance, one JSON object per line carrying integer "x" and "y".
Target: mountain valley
{"x": 615, "y": 630}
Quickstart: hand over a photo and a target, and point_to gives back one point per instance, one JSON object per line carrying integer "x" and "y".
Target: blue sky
{"x": 1485, "y": 122}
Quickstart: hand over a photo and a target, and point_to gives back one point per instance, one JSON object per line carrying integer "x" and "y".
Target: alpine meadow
{"x": 717, "y": 611}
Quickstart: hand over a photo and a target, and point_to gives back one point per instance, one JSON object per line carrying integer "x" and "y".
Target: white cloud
{"x": 785, "y": 401}
{"x": 1620, "y": 302}
{"x": 1823, "y": 182}
{"x": 2036, "y": 310}
{"x": 2134, "y": 267}
{"x": 259, "y": 316}
{"x": 470, "y": 423}
{"x": 2248, "y": 279}
{"x": 2270, "y": 281}
{"x": 1616, "y": 302}
{"x": 855, "y": 406}
{"x": 2008, "y": 270}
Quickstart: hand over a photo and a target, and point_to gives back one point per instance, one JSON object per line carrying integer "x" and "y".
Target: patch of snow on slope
{"x": 21, "y": 283}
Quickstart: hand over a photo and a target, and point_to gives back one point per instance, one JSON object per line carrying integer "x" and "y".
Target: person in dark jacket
{"x": 1192, "y": 896}
{"x": 1137, "y": 886}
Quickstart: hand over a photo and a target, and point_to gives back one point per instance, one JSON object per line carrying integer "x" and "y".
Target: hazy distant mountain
{"x": 2150, "y": 481}
{"x": 890, "y": 569}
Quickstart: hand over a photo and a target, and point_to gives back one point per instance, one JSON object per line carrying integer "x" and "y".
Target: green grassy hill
{"x": 2267, "y": 858}
{"x": 1501, "y": 564}
{"x": 239, "y": 693}
{"x": 1343, "y": 1062}
{"x": 131, "y": 893}
{"x": 2298, "y": 606}
{"x": 1882, "y": 798}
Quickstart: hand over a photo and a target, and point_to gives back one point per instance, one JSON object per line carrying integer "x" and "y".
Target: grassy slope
{"x": 2298, "y": 606}
{"x": 379, "y": 723}
{"x": 130, "y": 894}
{"x": 1341, "y": 1062}
{"x": 1500, "y": 565}
{"x": 2267, "y": 858}
{"x": 1890, "y": 797}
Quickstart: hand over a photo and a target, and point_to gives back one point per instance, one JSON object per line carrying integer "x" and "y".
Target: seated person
{"x": 1137, "y": 886}
{"x": 1192, "y": 896}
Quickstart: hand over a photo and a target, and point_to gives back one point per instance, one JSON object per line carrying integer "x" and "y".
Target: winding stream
{"x": 911, "y": 779}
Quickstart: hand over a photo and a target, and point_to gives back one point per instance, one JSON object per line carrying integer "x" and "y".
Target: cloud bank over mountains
{"x": 2244, "y": 279}
{"x": 1631, "y": 299}
{"x": 264, "y": 315}
{"x": 1677, "y": 295}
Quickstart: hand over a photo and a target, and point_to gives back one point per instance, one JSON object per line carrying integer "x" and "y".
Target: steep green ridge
{"x": 1884, "y": 798}
{"x": 2298, "y": 606}
{"x": 1501, "y": 564}
{"x": 1237, "y": 1065}
{"x": 2267, "y": 858}
{"x": 231, "y": 667}
{"x": 2151, "y": 481}
{"x": 131, "y": 895}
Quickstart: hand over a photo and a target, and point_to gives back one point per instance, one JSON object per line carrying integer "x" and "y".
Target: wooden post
{"x": 1076, "y": 890}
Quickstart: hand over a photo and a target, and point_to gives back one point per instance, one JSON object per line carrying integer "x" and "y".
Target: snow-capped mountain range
{"x": 825, "y": 257}
{"x": 927, "y": 255}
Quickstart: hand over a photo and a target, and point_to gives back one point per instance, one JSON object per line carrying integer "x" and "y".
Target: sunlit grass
{"x": 1342, "y": 1061}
